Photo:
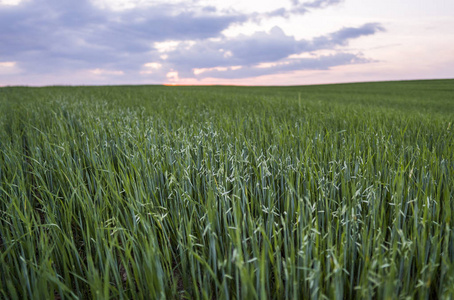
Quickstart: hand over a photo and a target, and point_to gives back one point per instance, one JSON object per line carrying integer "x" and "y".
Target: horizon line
{"x": 221, "y": 85}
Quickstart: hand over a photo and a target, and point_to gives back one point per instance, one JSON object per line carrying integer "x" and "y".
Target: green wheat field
{"x": 152, "y": 192}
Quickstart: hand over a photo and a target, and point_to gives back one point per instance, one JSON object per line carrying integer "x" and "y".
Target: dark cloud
{"x": 342, "y": 36}
{"x": 241, "y": 50}
{"x": 209, "y": 9}
{"x": 320, "y": 3}
{"x": 299, "y": 8}
{"x": 46, "y": 35}
{"x": 54, "y": 36}
{"x": 316, "y": 63}
{"x": 347, "y": 33}
{"x": 262, "y": 47}
{"x": 280, "y": 12}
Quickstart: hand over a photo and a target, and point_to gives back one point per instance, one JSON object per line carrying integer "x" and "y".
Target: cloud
{"x": 316, "y": 63}
{"x": 263, "y": 47}
{"x": 46, "y": 35}
{"x": 241, "y": 50}
{"x": 9, "y": 2}
{"x": 7, "y": 64}
{"x": 342, "y": 36}
{"x": 8, "y": 68}
{"x": 160, "y": 41}
{"x": 318, "y": 3}
{"x": 106, "y": 72}
{"x": 299, "y": 8}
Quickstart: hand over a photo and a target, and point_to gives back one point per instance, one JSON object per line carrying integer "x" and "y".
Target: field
{"x": 153, "y": 192}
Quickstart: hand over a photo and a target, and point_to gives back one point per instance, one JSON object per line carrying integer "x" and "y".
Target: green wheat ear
{"x": 344, "y": 192}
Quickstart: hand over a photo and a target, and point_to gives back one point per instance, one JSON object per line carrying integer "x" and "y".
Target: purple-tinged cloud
{"x": 299, "y": 8}
{"x": 262, "y": 47}
{"x": 316, "y": 63}
{"x": 342, "y": 36}
{"x": 320, "y": 3}
{"x": 51, "y": 36}
{"x": 241, "y": 50}
{"x": 47, "y": 35}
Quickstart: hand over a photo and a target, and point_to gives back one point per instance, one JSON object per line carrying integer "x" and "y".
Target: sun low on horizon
{"x": 201, "y": 42}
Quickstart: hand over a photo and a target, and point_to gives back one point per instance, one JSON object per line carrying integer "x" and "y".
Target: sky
{"x": 231, "y": 42}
